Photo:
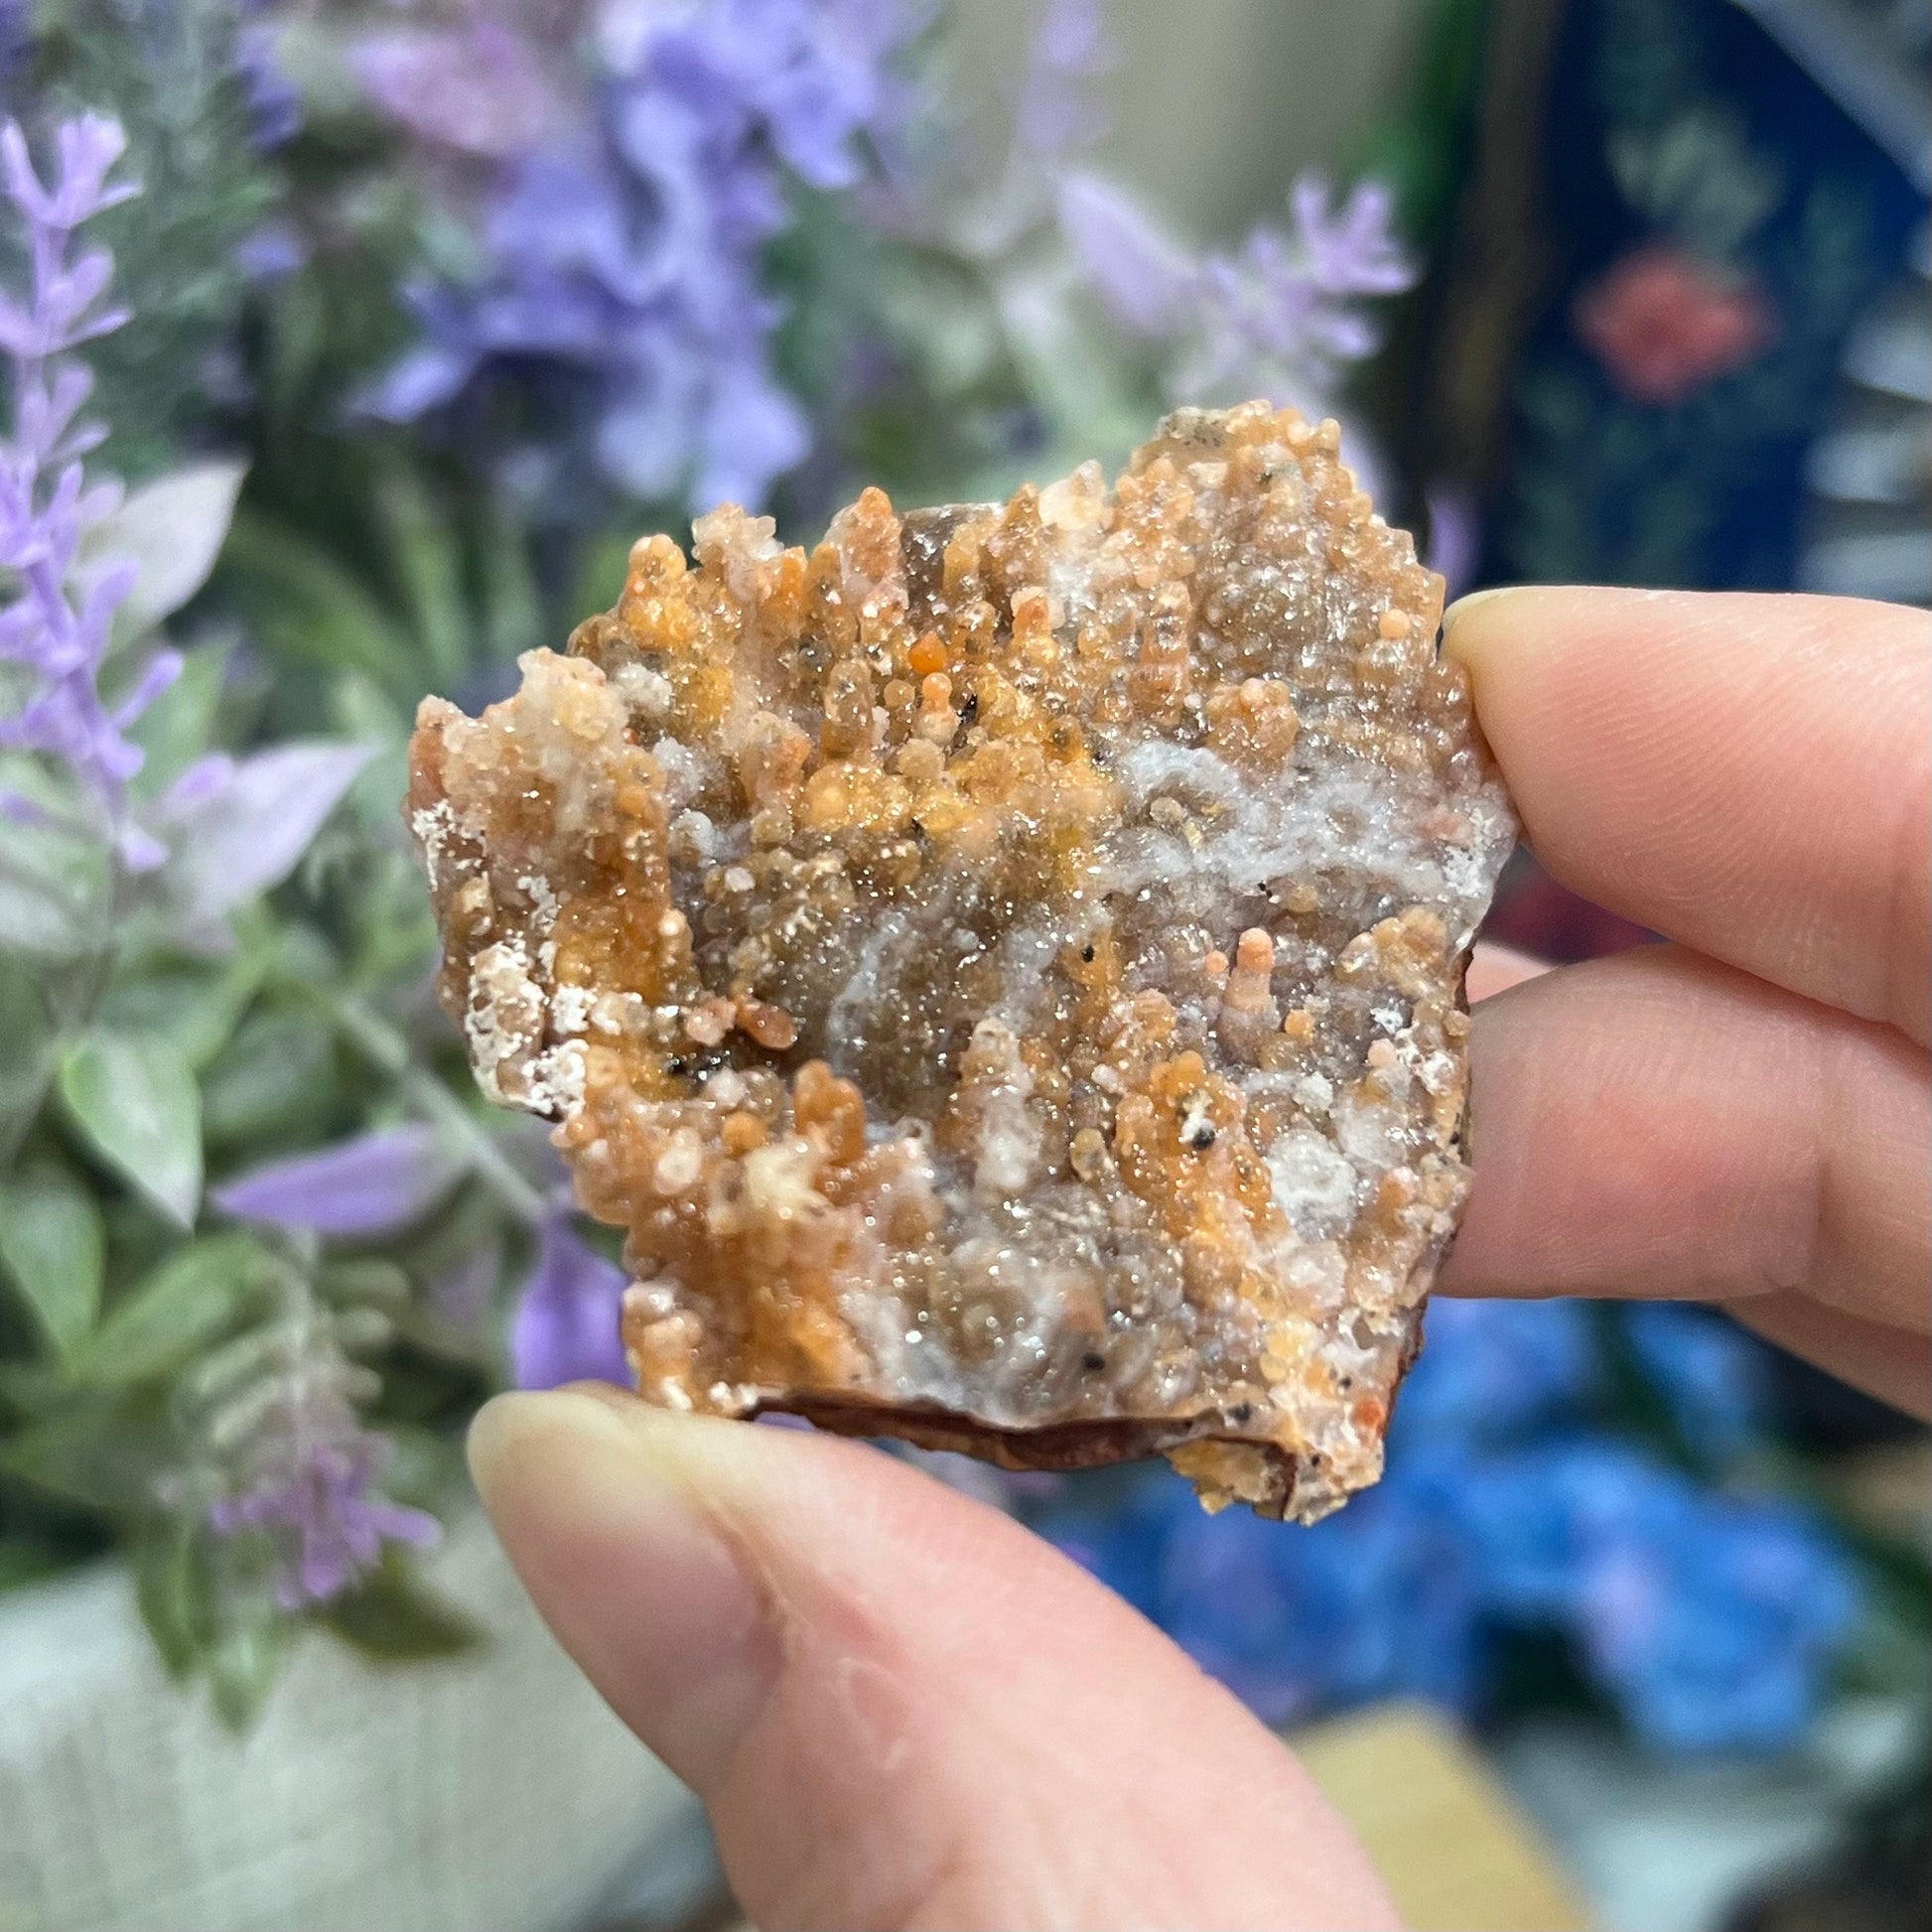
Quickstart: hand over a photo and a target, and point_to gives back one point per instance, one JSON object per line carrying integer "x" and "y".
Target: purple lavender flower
{"x": 270, "y": 251}
{"x": 296, "y": 1467}
{"x": 372, "y": 1185}
{"x": 274, "y": 100}
{"x": 565, "y": 1324}
{"x": 1057, "y": 113}
{"x": 1282, "y": 315}
{"x": 624, "y": 279}
{"x": 1350, "y": 251}
{"x": 324, "y": 1518}
{"x": 1455, "y": 538}
{"x": 57, "y": 626}
{"x": 481, "y": 87}
{"x": 238, "y": 826}
{"x": 1278, "y": 317}
{"x": 1146, "y": 279}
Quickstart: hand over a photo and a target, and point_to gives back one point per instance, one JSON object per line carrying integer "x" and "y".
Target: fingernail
{"x": 1462, "y": 606}
{"x": 602, "y": 1514}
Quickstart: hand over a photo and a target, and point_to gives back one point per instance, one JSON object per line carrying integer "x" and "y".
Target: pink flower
{"x": 1664, "y": 324}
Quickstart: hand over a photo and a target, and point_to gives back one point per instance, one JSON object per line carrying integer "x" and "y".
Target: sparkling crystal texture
{"x": 1003, "y": 969}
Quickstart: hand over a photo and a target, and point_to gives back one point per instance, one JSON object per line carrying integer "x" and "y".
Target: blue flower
{"x": 1531, "y": 1513}
{"x": 1710, "y": 1619}
{"x": 1491, "y": 1367}
{"x": 1123, "y": 1540}
{"x": 1377, "y": 1601}
{"x": 1713, "y": 1618}
{"x": 1710, "y": 1373}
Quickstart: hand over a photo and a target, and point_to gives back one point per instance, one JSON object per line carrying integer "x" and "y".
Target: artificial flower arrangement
{"x": 419, "y": 322}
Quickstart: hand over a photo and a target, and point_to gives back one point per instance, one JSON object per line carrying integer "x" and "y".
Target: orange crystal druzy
{"x": 1003, "y": 969}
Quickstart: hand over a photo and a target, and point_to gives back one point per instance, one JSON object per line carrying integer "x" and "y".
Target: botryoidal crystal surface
{"x": 1003, "y": 967}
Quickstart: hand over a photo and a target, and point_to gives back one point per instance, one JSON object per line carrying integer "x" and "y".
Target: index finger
{"x": 1750, "y": 776}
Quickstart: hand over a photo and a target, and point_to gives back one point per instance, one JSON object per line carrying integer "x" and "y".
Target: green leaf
{"x": 23, "y": 1562}
{"x": 601, "y": 564}
{"x": 171, "y": 529}
{"x": 305, "y": 959}
{"x": 52, "y": 1243}
{"x": 176, "y": 729}
{"x": 171, "y": 1591}
{"x": 173, "y": 1310}
{"x": 277, "y": 1072}
{"x": 26, "y": 1047}
{"x": 101, "y": 1451}
{"x": 300, "y": 604}
{"x": 134, "y": 1098}
{"x": 297, "y": 322}
{"x": 430, "y": 570}
{"x": 512, "y": 604}
{"x": 242, "y": 1665}
{"x": 54, "y": 879}
{"x": 394, "y": 1615}
{"x": 362, "y": 710}
{"x": 425, "y": 1468}
{"x": 367, "y": 1280}
{"x": 194, "y": 1008}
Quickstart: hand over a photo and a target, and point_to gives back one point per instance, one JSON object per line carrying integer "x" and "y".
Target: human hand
{"x": 901, "y": 1709}
{"x": 1744, "y": 1116}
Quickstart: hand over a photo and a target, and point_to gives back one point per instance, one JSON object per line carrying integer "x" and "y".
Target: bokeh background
{"x": 421, "y": 314}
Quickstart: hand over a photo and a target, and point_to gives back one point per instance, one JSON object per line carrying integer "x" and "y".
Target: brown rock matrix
{"x": 1002, "y": 968}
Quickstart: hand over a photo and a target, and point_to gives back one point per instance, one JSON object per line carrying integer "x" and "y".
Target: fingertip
{"x": 498, "y": 1431}
{"x": 1463, "y": 622}
{"x": 552, "y": 1442}
{"x": 1492, "y": 633}
{"x": 1484, "y": 631}
{"x": 604, "y": 1509}
{"x": 1737, "y": 771}
{"x": 522, "y": 1427}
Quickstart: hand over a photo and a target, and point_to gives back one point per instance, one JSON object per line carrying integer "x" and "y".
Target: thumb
{"x": 900, "y": 1707}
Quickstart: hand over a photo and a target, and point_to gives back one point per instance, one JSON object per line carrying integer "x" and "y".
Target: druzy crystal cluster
{"x": 1002, "y": 968}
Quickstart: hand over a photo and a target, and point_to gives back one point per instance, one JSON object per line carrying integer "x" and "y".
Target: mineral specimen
{"x": 1003, "y": 967}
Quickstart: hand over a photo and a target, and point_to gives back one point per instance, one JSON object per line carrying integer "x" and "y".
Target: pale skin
{"x": 901, "y": 1709}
